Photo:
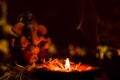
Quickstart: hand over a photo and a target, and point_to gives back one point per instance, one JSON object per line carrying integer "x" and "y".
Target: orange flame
{"x": 67, "y": 64}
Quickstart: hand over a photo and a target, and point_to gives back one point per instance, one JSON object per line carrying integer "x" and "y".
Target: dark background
{"x": 62, "y": 17}
{"x": 99, "y": 22}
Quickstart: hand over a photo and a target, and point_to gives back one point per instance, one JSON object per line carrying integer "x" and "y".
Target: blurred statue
{"x": 32, "y": 42}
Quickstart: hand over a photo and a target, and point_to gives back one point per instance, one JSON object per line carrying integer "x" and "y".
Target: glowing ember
{"x": 64, "y": 66}
{"x": 67, "y": 64}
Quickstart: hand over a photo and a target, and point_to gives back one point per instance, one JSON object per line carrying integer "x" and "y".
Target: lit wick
{"x": 67, "y": 64}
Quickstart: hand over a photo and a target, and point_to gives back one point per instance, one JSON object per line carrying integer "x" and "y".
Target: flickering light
{"x": 67, "y": 64}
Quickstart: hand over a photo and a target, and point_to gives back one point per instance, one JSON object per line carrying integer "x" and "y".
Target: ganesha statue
{"x": 32, "y": 42}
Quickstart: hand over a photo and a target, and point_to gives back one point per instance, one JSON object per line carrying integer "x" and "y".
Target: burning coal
{"x": 63, "y": 66}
